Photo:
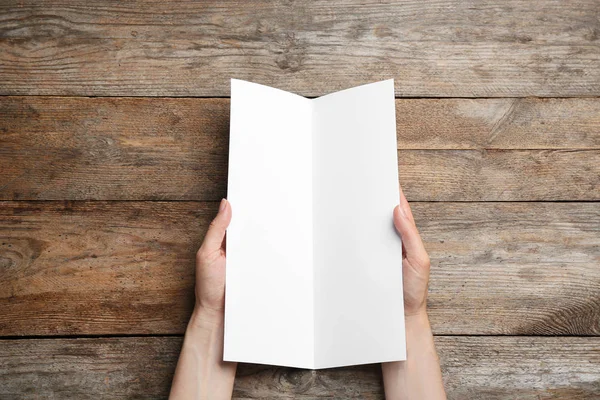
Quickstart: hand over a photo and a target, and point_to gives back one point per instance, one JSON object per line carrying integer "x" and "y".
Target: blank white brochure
{"x": 314, "y": 265}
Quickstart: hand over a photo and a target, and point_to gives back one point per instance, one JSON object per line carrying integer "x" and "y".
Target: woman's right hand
{"x": 419, "y": 377}
{"x": 415, "y": 261}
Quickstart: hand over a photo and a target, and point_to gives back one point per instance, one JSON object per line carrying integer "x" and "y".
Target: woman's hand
{"x": 419, "y": 377}
{"x": 210, "y": 263}
{"x": 201, "y": 372}
{"x": 415, "y": 261}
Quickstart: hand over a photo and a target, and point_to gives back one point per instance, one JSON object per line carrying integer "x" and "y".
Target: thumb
{"x": 216, "y": 231}
{"x": 415, "y": 250}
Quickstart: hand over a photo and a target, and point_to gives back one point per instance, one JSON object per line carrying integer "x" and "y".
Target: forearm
{"x": 201, "y": 372}
{"x": 419, "y": 377}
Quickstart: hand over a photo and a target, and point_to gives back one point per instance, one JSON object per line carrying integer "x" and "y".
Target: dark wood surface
{"x": 104, "y": 200}
{"x": 474, "y": 367}
{"x": 448, "y": 48}
{"x": 91, "y": 268}
{"x": 58, "y": 148}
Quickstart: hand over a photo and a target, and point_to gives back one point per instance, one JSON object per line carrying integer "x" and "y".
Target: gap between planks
{"x": 181, "y": 335}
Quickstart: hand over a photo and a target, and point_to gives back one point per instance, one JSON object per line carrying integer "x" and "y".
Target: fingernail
{"x": 222, "y": 205}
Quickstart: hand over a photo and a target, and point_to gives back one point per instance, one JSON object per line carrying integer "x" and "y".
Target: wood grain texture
{"x": 78, "y": 264}
{"x": 73, "y": 268}
{"x": 449, "y": 48}
{"x": 422, "y": 124}
{"x": 491, "y": 368}
{"x": 500, "y": 175}
{"x": 54, "y": 148}
{"x": 519, "y": 123}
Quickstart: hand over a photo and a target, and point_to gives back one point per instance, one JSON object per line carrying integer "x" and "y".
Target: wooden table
{"x": 113, "y": 156}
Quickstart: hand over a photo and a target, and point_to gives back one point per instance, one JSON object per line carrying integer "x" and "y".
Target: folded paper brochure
{"x": 314, "y": 265}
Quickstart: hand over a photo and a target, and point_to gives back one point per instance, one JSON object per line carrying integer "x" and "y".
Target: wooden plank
{"x": 54, "y": 148}
{"x": 497, "y": 267}
{"x": 73, "y": 268}
{"x": 99, "y": 267}
{"x": 492, "y": 48}
{"x": 524, "y": 368}
{"x": 500, "y": 175}
{"x": 118, "y": 368}
{"x": 423, "y": 124}
{"x": 494, "y": 368}
{"x": 527, "y": 123}
{"x": 73, "y": 148}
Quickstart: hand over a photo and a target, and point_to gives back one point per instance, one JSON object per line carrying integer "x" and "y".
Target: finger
{"x": 405, "y": 206}
{"x": 413, "y": 245}
{"x": 216, "y": 231}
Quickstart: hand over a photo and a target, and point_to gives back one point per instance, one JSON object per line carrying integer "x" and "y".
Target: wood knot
{"x": 17, "y": 255}
{"x": 291, "y": 53}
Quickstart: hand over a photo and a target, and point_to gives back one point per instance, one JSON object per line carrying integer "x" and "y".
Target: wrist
{"x": 204, "y": 333}
{"x": 206, "y": 319}
{"x": 419, "y": 318}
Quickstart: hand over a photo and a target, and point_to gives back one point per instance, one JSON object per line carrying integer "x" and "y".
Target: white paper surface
{"x": 314, "y": 274}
